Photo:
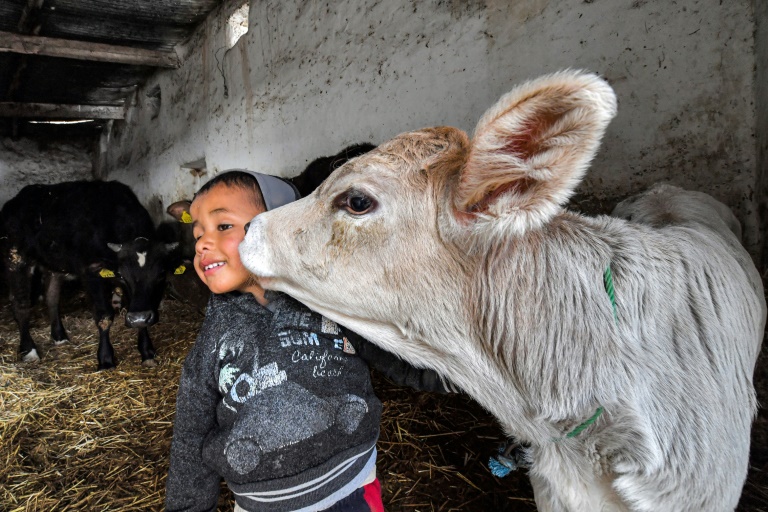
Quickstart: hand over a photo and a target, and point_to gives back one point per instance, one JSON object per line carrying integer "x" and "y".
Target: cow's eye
{"x": 356, "y": 203}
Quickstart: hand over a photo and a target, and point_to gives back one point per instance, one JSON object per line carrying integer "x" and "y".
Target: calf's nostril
{"x": 247, "y": 225}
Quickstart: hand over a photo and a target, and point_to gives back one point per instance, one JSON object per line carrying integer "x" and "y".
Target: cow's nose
{"x": 137, "y": 319}
{"x": 247, "y": 225}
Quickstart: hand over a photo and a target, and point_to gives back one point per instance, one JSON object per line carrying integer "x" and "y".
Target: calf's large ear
{"x": 531, "y": 149}
{"x": 180, "y": 211}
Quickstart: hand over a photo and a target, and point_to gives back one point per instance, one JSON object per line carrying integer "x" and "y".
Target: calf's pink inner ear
{"x": 520, "y": 187}
{"x": 530, "y": 137}
{"x": 530, "y": 150}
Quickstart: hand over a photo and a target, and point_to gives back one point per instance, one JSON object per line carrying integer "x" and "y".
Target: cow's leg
{"x": 564, "y": 479}
{"x": 544, "y": 496}
{"x": 105, "y": 354}
{"x": 52, "y": 295}
{"x": 103, "y": 314}
{"x": 19, "y": 278}
{"x": 146, "y": 349}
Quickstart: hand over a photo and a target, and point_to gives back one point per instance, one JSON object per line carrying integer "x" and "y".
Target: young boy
{"x": 272, "y": 398}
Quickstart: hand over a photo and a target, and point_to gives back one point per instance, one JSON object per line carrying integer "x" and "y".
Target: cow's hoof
{"x": 31, "y": 356}
{"x": 149, "y": 363}
{"x": 106, "y": 366}
{"x": 60, "y": 342}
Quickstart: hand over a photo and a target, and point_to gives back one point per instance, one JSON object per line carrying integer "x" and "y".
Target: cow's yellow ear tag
{"x": 105, "y": 272}
{"x": 186, "y": 218}
{"x": 180, "y": 269}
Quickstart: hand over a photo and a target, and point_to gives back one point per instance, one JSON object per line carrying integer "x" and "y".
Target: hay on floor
{"x": 77, "y": 439}
{"x": 74, "y": 439}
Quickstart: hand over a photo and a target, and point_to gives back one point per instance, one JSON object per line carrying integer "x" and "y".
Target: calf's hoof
{"x": 30, "y": 357}
{"x": 60, "y": 342}
{"x": 106, "y": 366}
{"x": 149, "y": 363}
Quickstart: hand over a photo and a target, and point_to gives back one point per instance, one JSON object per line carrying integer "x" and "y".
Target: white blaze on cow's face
{"x": 388, "y": 244}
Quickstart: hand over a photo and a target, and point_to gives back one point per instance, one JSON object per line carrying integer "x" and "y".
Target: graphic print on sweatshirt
{"x": 272, "y": 411}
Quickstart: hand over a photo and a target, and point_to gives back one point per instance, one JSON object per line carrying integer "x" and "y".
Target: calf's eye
{"x": 357, "y": 203}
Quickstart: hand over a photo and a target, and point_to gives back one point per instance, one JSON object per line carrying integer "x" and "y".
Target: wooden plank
{"x": 60, "y": 111}
{"x": 70, "y": 49}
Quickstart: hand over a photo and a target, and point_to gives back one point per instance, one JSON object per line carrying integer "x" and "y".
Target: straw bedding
{"x": 72, "y": 438}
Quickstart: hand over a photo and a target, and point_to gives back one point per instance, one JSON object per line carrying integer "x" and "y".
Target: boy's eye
{"x": 224, "y": 227}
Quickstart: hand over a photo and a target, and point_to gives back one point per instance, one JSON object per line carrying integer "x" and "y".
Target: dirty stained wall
{"x": 26, "y": 160}
{"x": 311, "y": 77}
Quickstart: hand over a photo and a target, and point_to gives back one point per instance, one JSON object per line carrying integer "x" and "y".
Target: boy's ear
{"x": 531, "y": 149}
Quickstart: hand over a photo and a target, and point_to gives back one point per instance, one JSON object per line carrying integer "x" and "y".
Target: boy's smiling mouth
{"x": 211, "y": 266}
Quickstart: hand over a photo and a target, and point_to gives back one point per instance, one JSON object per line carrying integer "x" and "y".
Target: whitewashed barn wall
{"x": 26, "y": 161}
{"x": 311, "y": 77}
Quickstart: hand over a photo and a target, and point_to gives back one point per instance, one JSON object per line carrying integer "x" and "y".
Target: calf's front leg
{"x": 52, "y": 296}
{"x": 105, "y": 354}
{"x": 103, "y": 315}
{"x": 19, "y": 278}
{"x": 564, "y": 479}
{"x": 146, "y": 349}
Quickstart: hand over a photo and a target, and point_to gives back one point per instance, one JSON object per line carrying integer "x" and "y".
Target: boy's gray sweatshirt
{"x": 273, "y": 400}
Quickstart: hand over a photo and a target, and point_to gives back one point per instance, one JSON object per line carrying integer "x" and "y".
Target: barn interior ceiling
{"x": 83, "y": 60}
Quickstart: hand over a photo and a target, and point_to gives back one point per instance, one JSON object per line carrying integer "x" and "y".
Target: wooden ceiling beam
{"x": 81, "y": 50}
{"x": 60, "y": 111}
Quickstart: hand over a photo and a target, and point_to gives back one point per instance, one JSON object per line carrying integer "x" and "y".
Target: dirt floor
{"x": 76, "y": 439}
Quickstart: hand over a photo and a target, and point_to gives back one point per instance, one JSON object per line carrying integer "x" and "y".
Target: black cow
{"x": 94, "y": 230}
{"x": 320, "y": 168}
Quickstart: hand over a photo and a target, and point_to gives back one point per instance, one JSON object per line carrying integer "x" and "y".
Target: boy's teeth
{"x": 212, "y": 265}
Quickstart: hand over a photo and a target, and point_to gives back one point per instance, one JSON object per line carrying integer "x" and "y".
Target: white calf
{"x": 458, "y": 256}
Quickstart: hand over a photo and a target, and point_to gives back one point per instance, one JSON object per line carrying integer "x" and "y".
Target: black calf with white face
{"x": 143, "y": 267}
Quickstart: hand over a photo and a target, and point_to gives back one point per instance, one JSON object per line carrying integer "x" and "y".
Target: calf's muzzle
{"x": 138, "y": 319}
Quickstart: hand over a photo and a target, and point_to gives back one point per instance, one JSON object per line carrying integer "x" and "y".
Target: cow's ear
{"x": 531, "y": 149}
{"x": 115, "y": 247}
{"x": 180, "y": 211}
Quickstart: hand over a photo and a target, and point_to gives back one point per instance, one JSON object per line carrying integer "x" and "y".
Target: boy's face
{"x": 220, "y": 216}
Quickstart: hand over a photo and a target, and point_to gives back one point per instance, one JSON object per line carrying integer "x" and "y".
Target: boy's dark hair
{"x": 236, "y": 179}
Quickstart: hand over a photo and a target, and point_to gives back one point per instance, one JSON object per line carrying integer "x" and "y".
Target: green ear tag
{"x": 180, "y": 269}
{"x": 106, "y": 273}
{"x": 186, "y": 218}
